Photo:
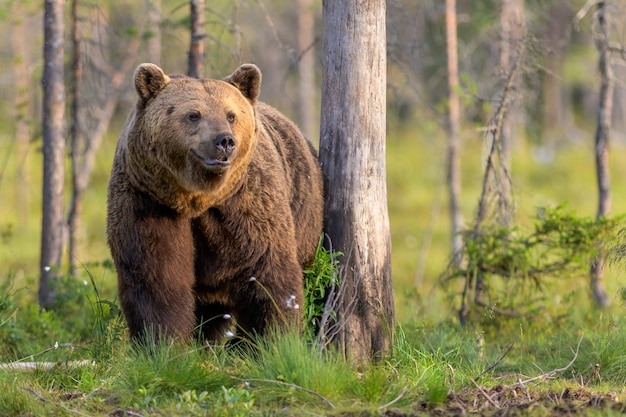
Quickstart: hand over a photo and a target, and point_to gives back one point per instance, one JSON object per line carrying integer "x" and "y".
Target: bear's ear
{"x": 149, "y": 80}
{"x": 247, "y": 79}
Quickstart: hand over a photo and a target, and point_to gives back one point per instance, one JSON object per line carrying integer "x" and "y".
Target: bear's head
{"x": 191, "y": 140}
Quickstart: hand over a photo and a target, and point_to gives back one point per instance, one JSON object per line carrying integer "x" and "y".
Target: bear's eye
{"x": 194, "y": 116}
{"x": 231, "y": 117}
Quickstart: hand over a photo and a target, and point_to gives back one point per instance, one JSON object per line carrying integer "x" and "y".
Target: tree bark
{"x": 602, "y": 137}
{"x": 76, "y": 206}
{"x": 53, "y": 150}
{"x": 454, "y": 140}
{"x": 306, "y": 68}
{"x": 196, "y": 48}
{"x": 352, "y": 153}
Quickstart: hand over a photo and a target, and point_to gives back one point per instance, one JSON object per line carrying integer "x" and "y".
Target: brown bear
{"x": 214, "y": 208}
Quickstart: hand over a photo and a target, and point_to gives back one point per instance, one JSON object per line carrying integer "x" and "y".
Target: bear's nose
{"x": 225, "y": 143}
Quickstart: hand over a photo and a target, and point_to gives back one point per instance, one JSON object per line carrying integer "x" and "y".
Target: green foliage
{"x": 226, "y": 402}
{"x": 151, "y": 374}
{"x": 236, "y": 402}
{"x": 511, "y": 265}
{"x": 318, "y": 281}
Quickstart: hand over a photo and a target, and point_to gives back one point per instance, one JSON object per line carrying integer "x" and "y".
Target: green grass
{"x": 289, "y": 375}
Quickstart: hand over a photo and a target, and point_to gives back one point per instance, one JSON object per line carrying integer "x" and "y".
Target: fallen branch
{"x": 23, "y": 365}
{"x": 553, "y": 372}
{"x": 290, "y": 385}
{"x": 522, "y": 383}
{"x": 29, "y": 366}
{"x": 482, "y": 391}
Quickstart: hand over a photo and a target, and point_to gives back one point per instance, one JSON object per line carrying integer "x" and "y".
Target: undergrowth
{"x": 86, "y": 364}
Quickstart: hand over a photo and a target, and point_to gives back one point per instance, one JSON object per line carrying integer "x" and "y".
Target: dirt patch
{"x": 518, "y": 401}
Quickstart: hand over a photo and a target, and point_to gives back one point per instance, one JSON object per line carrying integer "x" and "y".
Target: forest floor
{"x": 520, "y": 401}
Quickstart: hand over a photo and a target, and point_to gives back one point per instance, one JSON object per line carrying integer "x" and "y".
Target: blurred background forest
{"x": 552, "y": 117}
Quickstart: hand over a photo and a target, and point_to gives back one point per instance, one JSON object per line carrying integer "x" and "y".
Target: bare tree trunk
{"x": 76, "y": 206}
{"x": 53, "y": 150}
{"x": 196, "y": 48}
{"x": 454, "y": 140}
{"x": 306, "y": 68}
{"x": 84, "y": 145}
{"x": 603, "y": 131}
{"x": 512, "y": 31}
{"x": 352, "y": 152}
{"x": 21, "y": 75}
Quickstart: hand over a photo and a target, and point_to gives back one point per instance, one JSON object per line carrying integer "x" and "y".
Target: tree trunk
{"x": 512, "y": 24}
{"x": 454, "y": 141}
{"x": 53, "y": 150}
{"x": 603, "y": 131}
{"x": 306, "y": 68}
{"x": 76, "y": 207}
{"x": 85, "y": 145}
{"x": 196, "y": 48}
{"x": 352, "y": 153}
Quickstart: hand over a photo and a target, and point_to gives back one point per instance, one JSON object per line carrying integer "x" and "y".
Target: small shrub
{"x": 319, "y": 279}
{"x": 506, "y": 268}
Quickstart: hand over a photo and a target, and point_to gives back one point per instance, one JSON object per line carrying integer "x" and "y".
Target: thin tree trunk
{"x": 603, "y": 131}
{"x": 496, "y": 176}
{"x": 21, "y": 75}
{"x": 53, "y": 150}
{"x": 76, "y": 206}
{"x": 196, "y": 48}
{"x": 512, "y": 24}
{"x": 352, "y": 152}
{"x": 85, "y": 146}
{"x": 454, "y": 140}
{"x": 306, "y": 67}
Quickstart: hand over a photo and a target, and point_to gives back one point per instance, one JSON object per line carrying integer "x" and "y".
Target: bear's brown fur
{"x": 214, "y": 207}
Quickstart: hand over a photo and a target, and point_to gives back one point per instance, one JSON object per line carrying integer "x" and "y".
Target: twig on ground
{"x": 44, "y": 400}
{"x": 453, "y": 393}
{"x": 552, "y": 372}
{"x": 395, "y": 400}
{"x": 522, "y": 383}
{"x": 491, "y": 367}
{"x": 482, "y": 391}
{"x": 290, "y": 385}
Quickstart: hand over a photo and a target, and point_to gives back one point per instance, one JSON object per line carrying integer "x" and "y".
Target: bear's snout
{"x": 225, "y": 145}
{"x": 217, "y": 153}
